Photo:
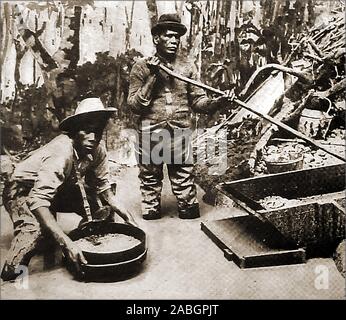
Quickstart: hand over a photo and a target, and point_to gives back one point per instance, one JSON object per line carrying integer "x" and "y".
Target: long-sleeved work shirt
{"x": 169, "y": 107}
{"x": 172, "y": 101}
{"x": 53, "y": 166}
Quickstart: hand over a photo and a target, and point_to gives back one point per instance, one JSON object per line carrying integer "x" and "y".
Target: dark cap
{"x": 169, "y": 21}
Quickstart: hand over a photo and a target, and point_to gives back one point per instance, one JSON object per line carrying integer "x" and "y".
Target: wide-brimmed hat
{"x": 88, "y": 110}
{"x": 169, "y": 21}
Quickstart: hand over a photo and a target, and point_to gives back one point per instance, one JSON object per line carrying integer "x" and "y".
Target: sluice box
{"x": 290, "y": 214}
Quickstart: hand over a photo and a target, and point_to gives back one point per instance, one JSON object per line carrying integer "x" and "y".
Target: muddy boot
{"x": 191, "y": 212}
{"x": 152, "y": 215}
{"x": 9, "y": 273}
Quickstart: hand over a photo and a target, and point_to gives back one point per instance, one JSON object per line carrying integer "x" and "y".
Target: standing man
{"x": 69, "y": 174}
{"x": 164, "y": 106}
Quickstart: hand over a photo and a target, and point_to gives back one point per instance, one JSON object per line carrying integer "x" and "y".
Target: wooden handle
{"x": 289, "y": 129}
{"x": 247, "y": 107}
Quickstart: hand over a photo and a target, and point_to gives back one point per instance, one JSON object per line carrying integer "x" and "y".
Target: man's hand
{"x": 124, "y": 214}
{"x": 225, "y": 99}
{"x": 70, "y": 249}
{"x": 224, "y": 102}
{"x": 75, "y": 255}
{"x": 117, "y": 207}
{"x": 153, "y": 64}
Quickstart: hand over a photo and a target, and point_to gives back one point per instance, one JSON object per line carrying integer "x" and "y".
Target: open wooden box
{"x": 315, "y": 225}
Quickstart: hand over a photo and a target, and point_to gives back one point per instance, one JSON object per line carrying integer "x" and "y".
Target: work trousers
{"x": 182, "y": 182}
{"x": 174, "y": 143}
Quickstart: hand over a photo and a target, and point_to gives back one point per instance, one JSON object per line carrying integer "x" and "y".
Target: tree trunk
{"x": 128, "y": 29}
{"x": 6, "y": 32}
{"x": 152, "y": 9}
{"x": 73, "y": 53}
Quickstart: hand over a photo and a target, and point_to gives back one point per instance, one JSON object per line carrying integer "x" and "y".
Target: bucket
{"x": 314, "y": 123}
{"x": 285, "y": 165}
{"x": 276, "y": 167}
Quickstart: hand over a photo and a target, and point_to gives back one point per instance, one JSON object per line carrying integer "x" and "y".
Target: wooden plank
{"x": 250, "y": 242}
{"x": 264, "y": 97}
{"x": 275, "y": 259}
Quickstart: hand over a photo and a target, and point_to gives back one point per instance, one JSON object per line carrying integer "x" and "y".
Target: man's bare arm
{"x": 48, "y": 222}
{"x": 117, "y": 207}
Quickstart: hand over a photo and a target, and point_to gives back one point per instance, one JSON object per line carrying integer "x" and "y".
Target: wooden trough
{"x": 315, "y": 224}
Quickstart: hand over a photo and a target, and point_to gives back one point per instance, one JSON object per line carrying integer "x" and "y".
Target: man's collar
{"x": 164, "y": 60}
{"x": 88, "y": 156}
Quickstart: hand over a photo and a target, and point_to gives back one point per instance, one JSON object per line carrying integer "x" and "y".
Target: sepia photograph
{"x": 172, "y": 150}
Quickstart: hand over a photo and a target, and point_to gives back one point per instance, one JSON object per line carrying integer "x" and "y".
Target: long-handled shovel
{"x": 244, "y": 105}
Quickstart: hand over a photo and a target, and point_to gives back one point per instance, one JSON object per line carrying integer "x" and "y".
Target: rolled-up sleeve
{"x": 138, "y": 76}
{"x": 49, "y": 178}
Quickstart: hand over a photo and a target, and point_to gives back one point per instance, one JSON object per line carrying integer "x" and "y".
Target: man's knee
{"x": 24, "y": 221}
{"x": 26, "y": 224}
{"x": 150, "y": 173}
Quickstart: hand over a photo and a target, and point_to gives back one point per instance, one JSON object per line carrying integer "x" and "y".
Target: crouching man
{"x": 69, "y": 174}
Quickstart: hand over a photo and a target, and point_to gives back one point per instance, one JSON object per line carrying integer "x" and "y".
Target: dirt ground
{"x": 182, "y": 263}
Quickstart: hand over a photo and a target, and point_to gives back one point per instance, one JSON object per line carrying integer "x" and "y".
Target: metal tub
{"x": 115, "y": 265}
